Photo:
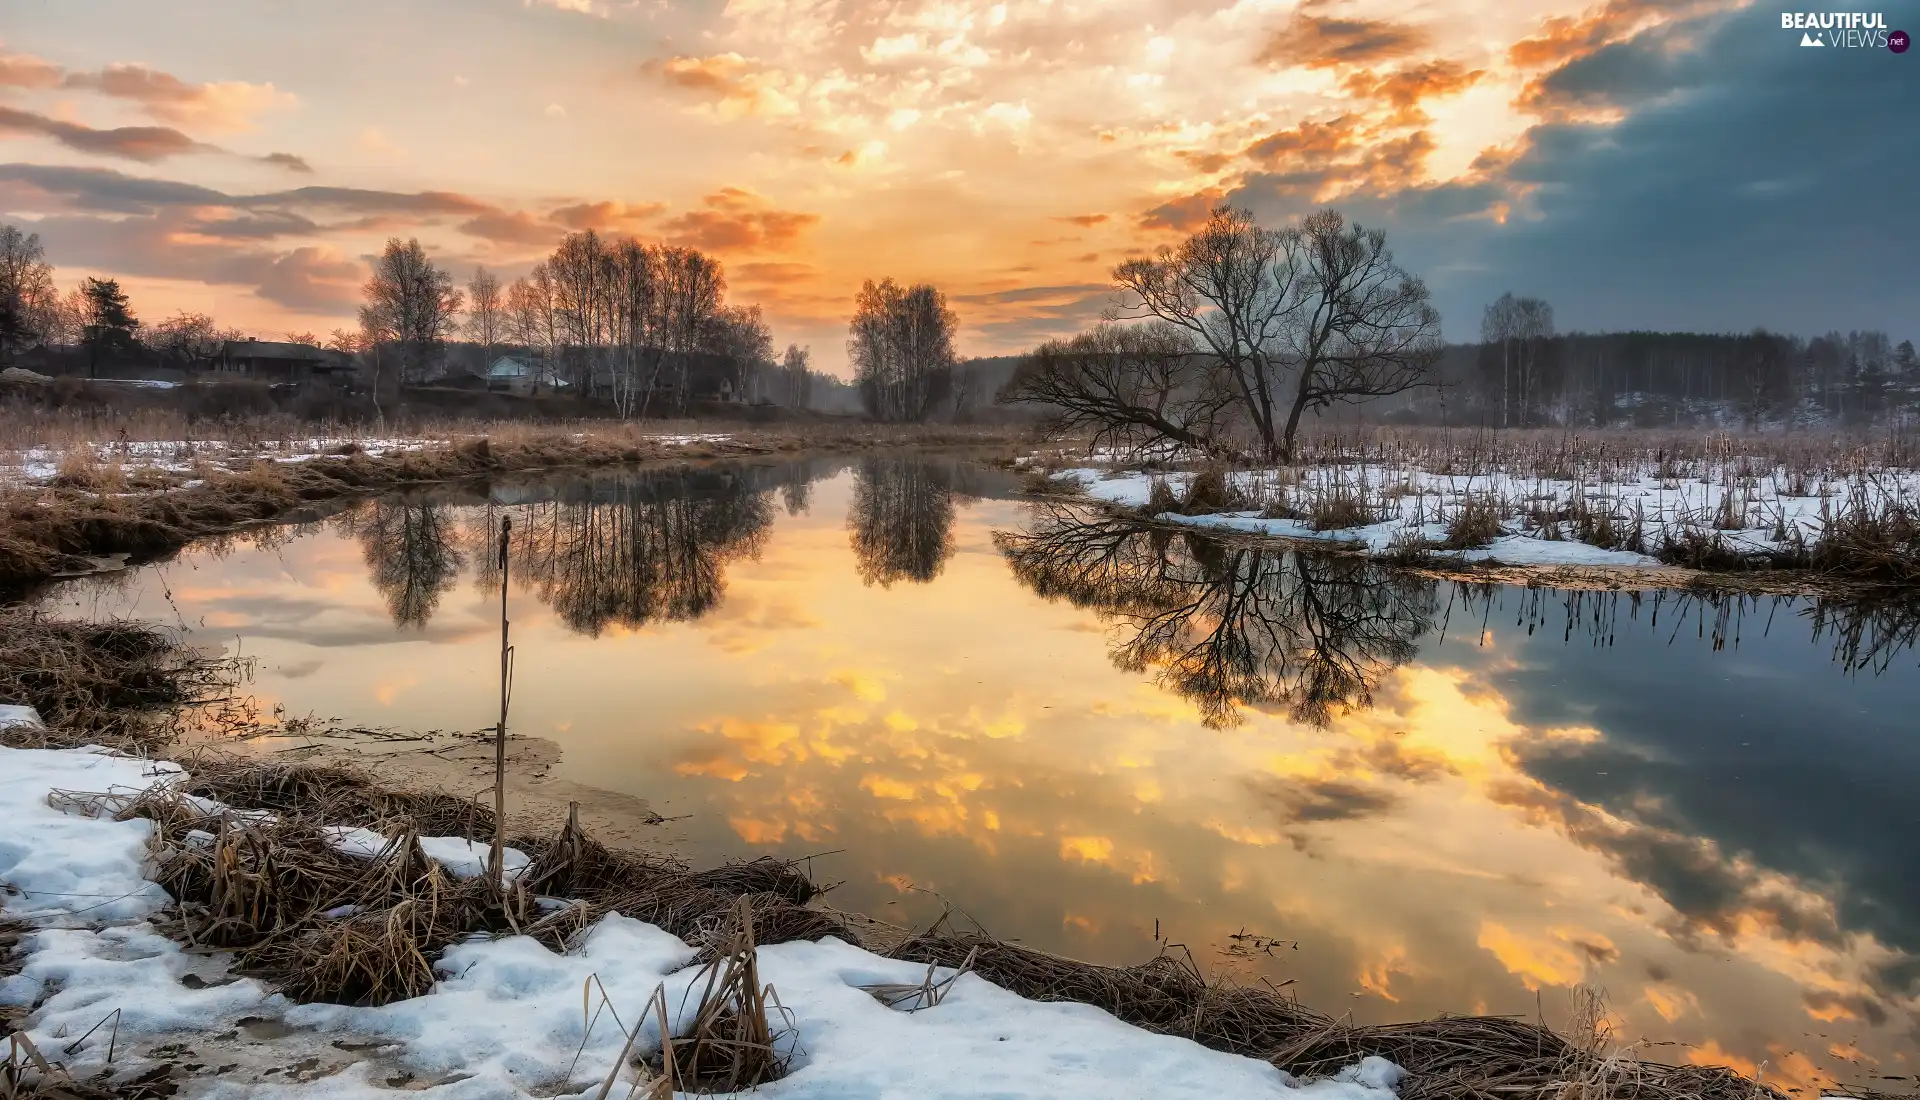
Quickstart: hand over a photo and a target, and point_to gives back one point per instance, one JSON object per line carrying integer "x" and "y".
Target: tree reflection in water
{"x": 901, "y": 521}
{"x": 639, "y": 546}
{"x": 410, "y": 551}
{"x": 1228, "y": 626}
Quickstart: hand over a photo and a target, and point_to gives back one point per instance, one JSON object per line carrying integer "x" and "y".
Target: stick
{"x": 497, "y": 863}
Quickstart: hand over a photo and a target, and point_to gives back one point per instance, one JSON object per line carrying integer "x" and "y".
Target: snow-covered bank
{"x": 507, "y": 1019}
{"x": 1747, "y": 512}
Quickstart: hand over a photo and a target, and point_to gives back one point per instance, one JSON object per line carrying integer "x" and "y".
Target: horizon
{"x": 1643, "y": 165}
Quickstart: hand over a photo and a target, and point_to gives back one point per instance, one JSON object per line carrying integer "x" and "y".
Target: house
{"x": 280, "y": 362}
{"x": 515, "y": 375}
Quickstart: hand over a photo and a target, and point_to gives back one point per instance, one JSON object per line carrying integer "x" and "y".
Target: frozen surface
{"x": 510, "y": 1018}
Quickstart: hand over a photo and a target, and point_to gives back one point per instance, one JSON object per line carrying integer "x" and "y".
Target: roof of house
{"x": 274, "y": 349}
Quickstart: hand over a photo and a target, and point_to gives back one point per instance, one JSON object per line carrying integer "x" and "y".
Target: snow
{"x": 354, "y": 841}
{"x": 1752, "y": 507}
{"x": 15, "y": 715}
{"x": 509, "y": 1018}
{"x": 468, "y": 858}
{"x": 38, "y": 465}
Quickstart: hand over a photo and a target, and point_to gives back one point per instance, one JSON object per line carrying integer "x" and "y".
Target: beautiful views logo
{"x": 1845, "y": 29}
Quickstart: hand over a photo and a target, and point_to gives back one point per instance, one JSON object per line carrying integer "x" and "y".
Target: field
{"x": 1842, "y": 508}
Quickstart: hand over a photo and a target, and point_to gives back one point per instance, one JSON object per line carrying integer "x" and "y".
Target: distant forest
{"x": 1659, "y": 379}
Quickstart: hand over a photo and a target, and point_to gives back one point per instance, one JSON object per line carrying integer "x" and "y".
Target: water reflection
{"x": 1229, "y": 626}
{"x": 901, "y": 523}
{"x": 412, "y": 559}
{"x": 1455, "y": 798}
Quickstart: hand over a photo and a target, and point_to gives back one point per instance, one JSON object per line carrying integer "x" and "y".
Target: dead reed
{"x": 1474, "y": 1057}
{"x": 256, "y": 856}
{"x": 114, "y": 683}
{"x": 107, "y": 504}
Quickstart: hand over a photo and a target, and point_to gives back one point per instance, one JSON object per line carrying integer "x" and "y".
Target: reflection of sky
{"x": 1721, "y": 840}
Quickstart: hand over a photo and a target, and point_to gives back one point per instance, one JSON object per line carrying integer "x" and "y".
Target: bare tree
{"x": 1128, "y": 386}
{"x": 530, "y": 318}
{"x": 411, "y": 304}
{"x": 799, "y": 380}
{"x": 692, "y": 286}
{"x": 28, "y": 300}
{"x": 191, "y": 340}
{"x": 486, "y": 321}
{"x": 1320, "y": 309}
{"x": 633, "y": 289}
{"x": 1761, "y": 366}
{"x": 741, "y": 335}
{"x": 901, "y": 346}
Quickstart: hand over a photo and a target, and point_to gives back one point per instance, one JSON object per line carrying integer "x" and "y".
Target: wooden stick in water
{"x": 496, "y": 864}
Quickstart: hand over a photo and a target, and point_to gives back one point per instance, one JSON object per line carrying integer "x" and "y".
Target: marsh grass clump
{"x": 116, "y": 683}
{"x": 1475, "y": 522}
{"x": 1212, "y": 490}
{"x": 1447, "y": 1057}
{"x": 266, "y": 861}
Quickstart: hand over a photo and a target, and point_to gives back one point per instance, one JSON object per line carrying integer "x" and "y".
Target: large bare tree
{"x": 1292, "y": 319}
{"x": 411, "y": 304}
{"x": 901, "y": 347}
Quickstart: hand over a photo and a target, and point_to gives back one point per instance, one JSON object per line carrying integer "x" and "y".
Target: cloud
{"x": 1085, "y": 221}
{"x": 1318, "y": 42}
{"x": 1404, "y": 89}
{"x": 738, "y": 221}
{"x": 606, "y": 215}
{"x": 1302, "y": 800}
{"x": 314, "y": 279}
{"x": 19, "y": 70}
{"x": 229, "y": 105}
{"x": 515, "y": 227}
{"x": 731, "y": 83}
{"x": 1184, "y": 213}
{"x": 141, "y": 143}
{"x": 288, "y": 161}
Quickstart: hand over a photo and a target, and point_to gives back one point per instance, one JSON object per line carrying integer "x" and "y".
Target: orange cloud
{"x": 1403, "y": 89}
{"x": 605, "y": 215}
{"x": 1184, "y": 213}
{"x": 737, "y": 220}
{"x": 1085, "y": 221}
{"x": 1319, "y": 43}
{"x": 511, "y": 227}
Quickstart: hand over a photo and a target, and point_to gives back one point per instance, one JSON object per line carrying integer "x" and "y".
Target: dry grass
{"x": 115, "y": 683}
{"x": 96, "y": 508}
{"x": 326, "y": 925}
{"x": 1479, "y": 1057}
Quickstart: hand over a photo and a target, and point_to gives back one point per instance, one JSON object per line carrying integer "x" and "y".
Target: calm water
{"x": 1435, "y": 798}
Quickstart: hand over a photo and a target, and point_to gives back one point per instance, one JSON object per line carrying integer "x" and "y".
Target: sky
{"x": 1649, "y": 164}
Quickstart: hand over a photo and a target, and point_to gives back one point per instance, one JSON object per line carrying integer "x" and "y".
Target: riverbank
{"x": 91, "y": 505}
{"x": 432, "y": 1039}
{"x": 1775, "y": 515}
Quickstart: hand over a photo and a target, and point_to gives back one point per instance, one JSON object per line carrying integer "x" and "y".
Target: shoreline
{"x": 1156, "y": 1000}
{"x": 99, "y": 519}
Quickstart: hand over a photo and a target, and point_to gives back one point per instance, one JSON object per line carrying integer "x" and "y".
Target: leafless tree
{"x": 901, "y": 346}
{"x": 485, "y": 313}
{"x": 1292, "y": 319}
{"x": 191, "y": 340}
{"x": 1518, "y": 326}
{"x": 740, "y": 334}
{"x": 1128, "y": 386}
{"x": 28, "y": 301}
{"x": 692, "y": 288}
{"x": 798, "y": 379}
{"x": 411, "y": 304}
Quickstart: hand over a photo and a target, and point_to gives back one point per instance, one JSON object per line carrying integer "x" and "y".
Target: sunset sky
{"x": 1640, "y": 163}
